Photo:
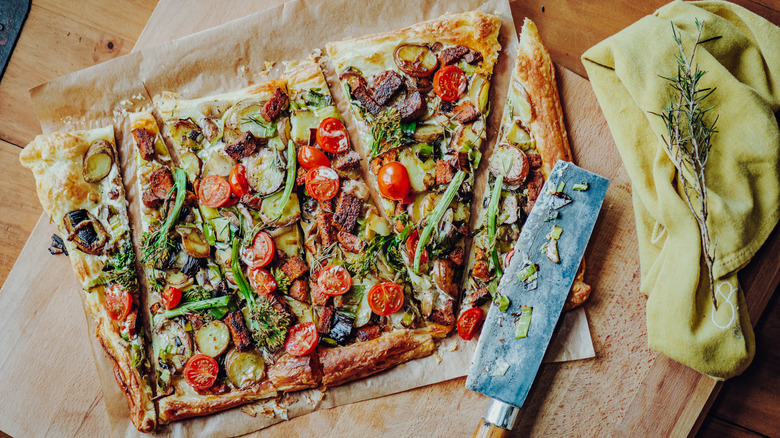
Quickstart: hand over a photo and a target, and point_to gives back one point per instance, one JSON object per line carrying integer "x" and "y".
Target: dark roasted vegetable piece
{"x": 412, "y": 108}
{"x": 244, "y": 146}
{"x": 240, "y": 335}
{"x": 145, "y": 143}
{"x": 195, "y": 320}
{"x": 445, "y": 316}
{"x": 350, "y": 242}
{"x": 466, "y": 112}
{"x": 85, "y": 231}
{"x": 472, "y": 56}
{"x": 386, "y": 85}
{"x": 451, "y": 55}
{"x": 368, "y": 332}
{"x": 444, "y": 277}
{"x": 57, "y": 246}
{"x": 364, "y": 96}
{"x": 347, "y": 161}
{"x": 534, "y": 183}
{"x": 347, "y": 212}
{"x": 278, "y": 102}
{"x": 477, "y": 296}
{"x": 299, "y": 290}
{"x": 294, "y": 268}
{"x": 325, "y": 321}
{"x": 342, "y": 328}
{"x": 191, "y": 266}
{"x": 444, "y": 172}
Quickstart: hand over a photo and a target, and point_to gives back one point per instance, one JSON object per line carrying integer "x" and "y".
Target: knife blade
{"x": 504, "y": 367}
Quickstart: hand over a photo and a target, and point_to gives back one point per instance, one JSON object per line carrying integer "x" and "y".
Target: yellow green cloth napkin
{"x": 743, "y": 182}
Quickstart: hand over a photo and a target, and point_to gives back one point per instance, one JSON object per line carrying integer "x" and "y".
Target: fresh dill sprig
{"x": 689, "y": 139}
{"x": 386, "y": 131}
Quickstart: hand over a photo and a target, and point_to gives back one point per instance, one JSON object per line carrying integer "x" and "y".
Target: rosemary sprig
{"x": 689, "y": 139}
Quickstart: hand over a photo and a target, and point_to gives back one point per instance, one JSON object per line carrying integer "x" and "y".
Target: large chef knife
{"x": 558, "y": 227}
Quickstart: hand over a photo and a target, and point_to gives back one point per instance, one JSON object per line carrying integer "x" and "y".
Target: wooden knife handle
{"x": 487, "y": 430}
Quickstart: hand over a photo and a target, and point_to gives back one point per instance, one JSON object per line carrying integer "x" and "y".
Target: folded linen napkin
{"x": 743, "y": 181}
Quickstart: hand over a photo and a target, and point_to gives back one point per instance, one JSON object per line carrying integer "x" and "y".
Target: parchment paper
{"x": 238, "y": 54}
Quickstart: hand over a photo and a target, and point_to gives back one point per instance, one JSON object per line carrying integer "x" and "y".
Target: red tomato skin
{"x": 449, "y": 83}
{"x": 391, "y": 306}
{"x": 393, "y": 179}
{"x": 334, "y": 280}
{"x": 237, "y": 181}
{"x": 260, "y": 253}
{"x": 116, "y": 295}
{"x": 411, "y": 246}
{"x": 171, "y": 297}
{"x": 469, "y": 323}
{"x": 332, "y": 136}
{"x": 262, "y": 281}
{"x": 214, "y": 191}
{"x": 305, "y": 333}
{"x": 201, "y": 371}
{"x": 310, "y": 157}
{"x": 322, "y": 183}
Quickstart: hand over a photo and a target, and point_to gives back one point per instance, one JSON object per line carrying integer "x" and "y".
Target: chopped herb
{"x": 268, "y": 128}
{"x": 387, "y": 132}
{"x": 137, "y": 355}
{"x": 408, "y": 128}
{"x": 380, "y": 245}
{"x": 555, "y": 233}
{"x": 502, "y": 302}
{"x": 436, "y": 215}
{"x": 195, "y": 293}
{"x": 560, "y": 187}
{"x": 495, "y": 197}
{"x": 527, "y": 272}
{"x": 315, "y": 99}
{"x": 523, "y": 323}
{"x": 120, "y": 268}
{"x": 552, "y": 216}
{"x": 581, "y": 187}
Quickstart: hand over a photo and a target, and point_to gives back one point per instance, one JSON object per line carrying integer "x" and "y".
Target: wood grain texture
{"x": 61, "y": 37}
{"x": 570, "y": 27}
{"x": 19, "y": 206}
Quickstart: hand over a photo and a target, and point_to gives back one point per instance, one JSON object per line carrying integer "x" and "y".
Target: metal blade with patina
{"x": 504, "y": 367}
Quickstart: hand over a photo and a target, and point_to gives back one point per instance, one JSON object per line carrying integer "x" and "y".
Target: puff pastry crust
{"x": 56, "y": 161}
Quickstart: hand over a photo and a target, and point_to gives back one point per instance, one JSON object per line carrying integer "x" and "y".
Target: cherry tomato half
{"x": 171, "y": 297}
{"x": 332, "y": 136}
{"x": 469, "y": 322}
{"x": 385, "y": 298}
{"x": 262, "y": 281}
{"x": 237, "y": 181}
{"x": 301, "y": 339}
{"x": 322, "y": 183}
{"x": 394, "y": 181}
{"x": 201, "y": 371}
{"x": 118, "y": 302}
{"x": 334, "y": 280}
{"x": 411, "y": 246}
{"x": 260, "y": 252}
{"x": 214, "y": 191}
{"x": 311, "y": 157}
{"x": 449, "y": 83}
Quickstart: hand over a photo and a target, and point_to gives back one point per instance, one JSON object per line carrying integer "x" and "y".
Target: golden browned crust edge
{"x": 535, "y": 71}
{"x": 344, "y": 364}
{"x": 293, "y": 373}
{"x": 184, "y": 403}
{"x": 475, "y": 30}
{"x": 129, "y": 381}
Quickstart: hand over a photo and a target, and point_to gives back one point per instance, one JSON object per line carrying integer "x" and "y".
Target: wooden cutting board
{"x": 626, "y": 390}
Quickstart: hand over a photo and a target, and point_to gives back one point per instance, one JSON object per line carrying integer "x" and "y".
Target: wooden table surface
{"x": 62, "y": 36}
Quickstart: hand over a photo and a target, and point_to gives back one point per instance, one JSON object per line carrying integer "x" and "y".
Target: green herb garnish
{"x": 495, "y": 197}
{"x": 527, "y": 272}
{"x": 289, "y": 183}
{"x": 581, "y": 187}
{"x": 436, "y": 215}
{"x": 268, "y": 128}
{"x": 282, "y": 281}
{"x": 120, "y": 268}
{"x": 158, "y": 245}
{"x": 387, "y": 132}
{"x": 524, "y": 323}
{"x": 502, "y": 302}
{"x": 195, "y": 306}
